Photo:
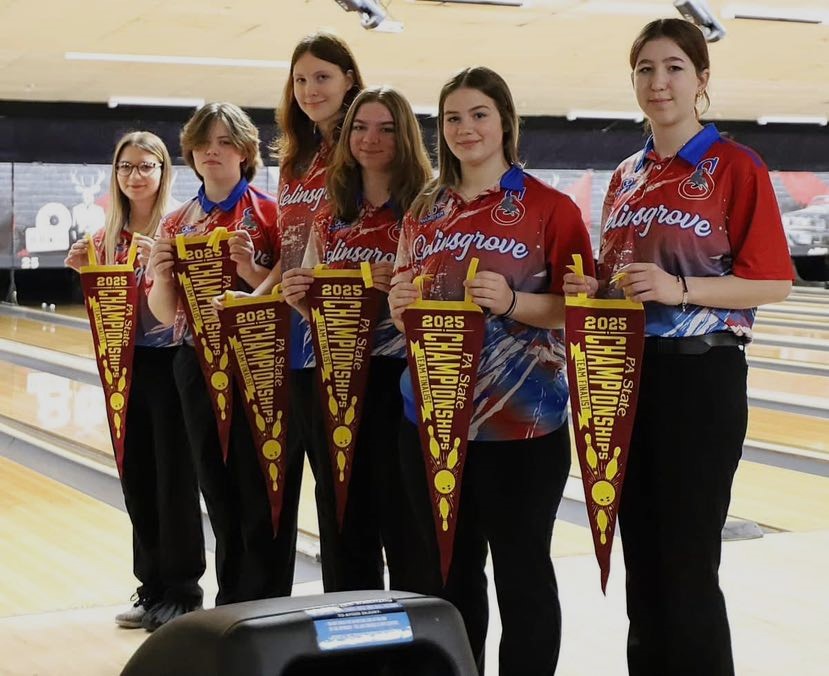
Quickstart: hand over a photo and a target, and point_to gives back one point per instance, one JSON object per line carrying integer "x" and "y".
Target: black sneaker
{"x": 164, "y": 611}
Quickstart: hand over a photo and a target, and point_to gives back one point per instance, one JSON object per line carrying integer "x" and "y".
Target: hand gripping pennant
{"x": 605, "y": 339}
{"x": 258, "y": 331}
{"x": 203, "y": 270}
{"x": 345, "y": 307}
{"x": 111, "y": 296}
{"x": 443, "y": 347}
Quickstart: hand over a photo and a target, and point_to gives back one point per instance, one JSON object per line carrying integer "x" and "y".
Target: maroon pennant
{"x": 443, "y": 347}
{"x": 605, "y": 340}
{"x": 258, "y": 330}
{"x": 203, "y": 270}
{"x": 345, "y": 308}
{"x": 111, "y": 297}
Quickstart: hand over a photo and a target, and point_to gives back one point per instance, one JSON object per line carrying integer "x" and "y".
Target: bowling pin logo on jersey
{"x": 509, "y": 210}
{"x": 700, "y": 184}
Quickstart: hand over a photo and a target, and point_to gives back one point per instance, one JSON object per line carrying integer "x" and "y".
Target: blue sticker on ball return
{"x": 361, "y": 624}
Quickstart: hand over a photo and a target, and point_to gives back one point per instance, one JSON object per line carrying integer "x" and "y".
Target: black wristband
{"x": 511, "y": 308}
{"x": 681, "y": 279}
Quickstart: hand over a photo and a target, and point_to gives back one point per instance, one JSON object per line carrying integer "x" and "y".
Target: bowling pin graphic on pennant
{"x": 203, "y": 270}
{"x": 605, "y": 339}
{"x": 443, "y": 347}
{"x": 111, "y": 297}
{"x": 345, "y": 308}
{"x": 258, "y": 331}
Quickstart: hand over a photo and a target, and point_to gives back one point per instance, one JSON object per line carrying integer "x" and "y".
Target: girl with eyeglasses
{"x": 159, "y": 480}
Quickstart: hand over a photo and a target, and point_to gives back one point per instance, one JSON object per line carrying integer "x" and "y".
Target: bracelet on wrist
{"x": 680, "y": 279}
{"x": 511, "y": 307}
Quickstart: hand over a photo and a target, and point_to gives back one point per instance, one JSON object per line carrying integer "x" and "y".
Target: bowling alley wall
{"x": 54, "y": 166}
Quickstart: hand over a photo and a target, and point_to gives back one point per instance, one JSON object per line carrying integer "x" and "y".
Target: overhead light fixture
{"x": 507, "y": 3}
{"x": 698, "y": 12}
{"x": 786, "y": 14}
{"x": 174, "y": 101}
{"x": 614, "y": 7}
{"x": 176, "y": 60}
{"x": 822, "y": 120}
{"x": 372, "y": 15}
{"x": 605, "y": 115}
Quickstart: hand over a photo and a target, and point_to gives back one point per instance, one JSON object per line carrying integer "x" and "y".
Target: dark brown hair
{"x": 410, "y": 168}
{"x": 296, "y": 143}
{"x": 491, "y": 84}
{"x": 684, "y": 35}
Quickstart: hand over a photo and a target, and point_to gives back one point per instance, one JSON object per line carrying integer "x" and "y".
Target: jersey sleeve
{"x": 755, "y": 230}
{"x": 566, "y": 235}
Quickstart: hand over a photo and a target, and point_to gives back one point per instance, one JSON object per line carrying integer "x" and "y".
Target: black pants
{"x": 509, "y": 497}
{"x": 250, "y": 562}
{"x": 377, "y": 513}
{"x": 687, "y": 440}
{"x": 159, "y": 483}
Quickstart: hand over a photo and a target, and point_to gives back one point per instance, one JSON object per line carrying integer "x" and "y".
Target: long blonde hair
{"x": 296, "y": 144}
{"x": 119, "y": 204}
{"x": 409, "y": 170}
{"x": 491, "y": 84}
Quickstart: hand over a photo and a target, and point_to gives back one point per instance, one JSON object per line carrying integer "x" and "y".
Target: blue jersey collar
{"x": 692, "y": 152}
{"x": 362, "y": 202}
{"x": 513, "y": 178}
{"x": 228, "y": 203}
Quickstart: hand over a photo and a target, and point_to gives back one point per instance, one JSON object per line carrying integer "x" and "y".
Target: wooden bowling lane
{"x": 71, "y": 411}
{"x": 798, "y": 390}
{"x": 796, "y": 355}
{"x": 818, "y": 336}
{"x": 47, "y": 335}
{"x": 779, "y": 498}
{"x": 58, "y": 547}
{"x": 776, "y": 498}
{"x": 781, "y": 428}
{"x": 815, "y": 319}
{"x": 76, "y": 311}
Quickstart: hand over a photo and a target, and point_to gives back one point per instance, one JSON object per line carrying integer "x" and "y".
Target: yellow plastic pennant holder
{"x": 465, "y": 304}
{"x": 322, "y": 271}
{"x": 230, "y": 299}
{"x": 213, "y": 240}
{"x": 93, "y": 265}
{"x": 583, "y": 300}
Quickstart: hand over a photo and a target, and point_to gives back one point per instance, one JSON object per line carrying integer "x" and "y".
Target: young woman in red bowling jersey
{"x": 691, "y": 227}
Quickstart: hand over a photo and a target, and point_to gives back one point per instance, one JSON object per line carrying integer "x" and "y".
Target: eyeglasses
{"x": 124, "y": 169}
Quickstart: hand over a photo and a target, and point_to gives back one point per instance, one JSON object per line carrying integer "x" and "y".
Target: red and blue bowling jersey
{"x": 245, "y": 208}
{"x": 300, "y": 201}
{"x": 372, "y": 237}
{"x": 526, "y": 231}
{"x": 709, "y": 211}
{"x": 149, "y": 332}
